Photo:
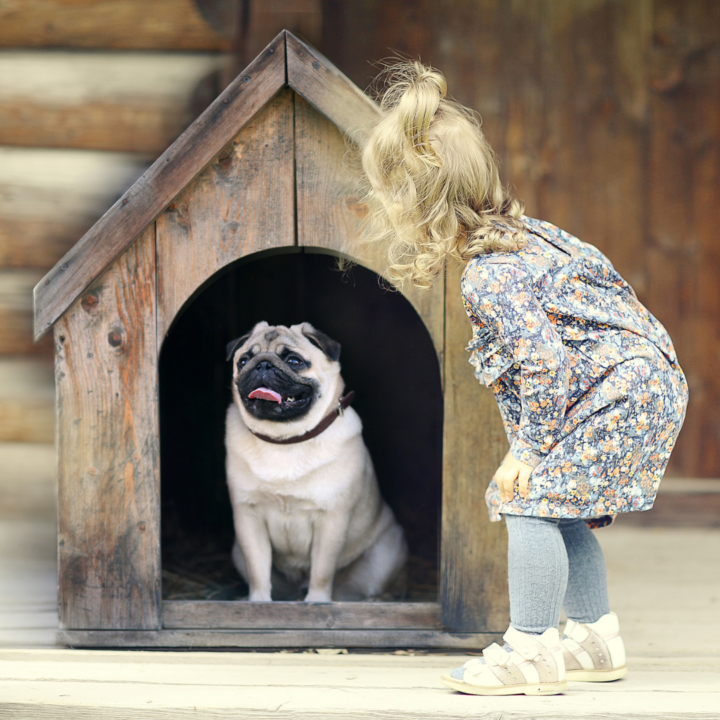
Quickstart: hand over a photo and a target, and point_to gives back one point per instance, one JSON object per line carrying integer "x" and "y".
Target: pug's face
{"x": 280, "y": 373}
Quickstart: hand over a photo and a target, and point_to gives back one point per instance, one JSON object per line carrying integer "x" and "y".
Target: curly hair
{"x": 433, "y": 188}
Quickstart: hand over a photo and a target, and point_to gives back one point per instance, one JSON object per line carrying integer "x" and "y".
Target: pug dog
{"x": 306, "y": 504}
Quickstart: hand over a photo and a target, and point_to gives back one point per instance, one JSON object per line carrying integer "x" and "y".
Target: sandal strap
{"x": 522, "y": 644}
{"x": 495, "y": 655}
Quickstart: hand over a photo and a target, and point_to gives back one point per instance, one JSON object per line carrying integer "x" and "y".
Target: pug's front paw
{"x": 259, "y": 596}
{"x": 321, "y": 596}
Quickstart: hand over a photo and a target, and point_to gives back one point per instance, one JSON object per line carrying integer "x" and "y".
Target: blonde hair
{"x": 434, "y": 190}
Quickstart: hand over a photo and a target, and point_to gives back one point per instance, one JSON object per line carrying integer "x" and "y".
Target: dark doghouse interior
{"x": 387, "y": 358}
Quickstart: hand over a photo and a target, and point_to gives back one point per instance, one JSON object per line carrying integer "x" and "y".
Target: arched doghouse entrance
{"x": 388, "y": 358}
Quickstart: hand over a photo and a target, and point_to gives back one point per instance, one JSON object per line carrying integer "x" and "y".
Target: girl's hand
{"x": 510, "y": 471}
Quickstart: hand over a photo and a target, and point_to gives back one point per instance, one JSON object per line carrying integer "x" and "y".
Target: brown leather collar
{"x": 323, "y": 425}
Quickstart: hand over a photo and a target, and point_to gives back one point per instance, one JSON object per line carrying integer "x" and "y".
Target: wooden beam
{"x": 216, "y": 615}
{"x": 149, "y": 196}
{"x": 473, "y": 570}
{"x": 108, "y": 449}
{"x": 275, "y": 639}
{"x": 318, "y": 81}
{"x": 137, "y": 102}
{"x": 103, "y": 24}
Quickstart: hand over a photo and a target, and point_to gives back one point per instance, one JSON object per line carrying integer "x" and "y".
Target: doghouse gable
{"x": 263, "y": 168}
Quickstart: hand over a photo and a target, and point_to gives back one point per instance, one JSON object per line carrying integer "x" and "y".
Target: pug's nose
{"x": 264, "y": 365}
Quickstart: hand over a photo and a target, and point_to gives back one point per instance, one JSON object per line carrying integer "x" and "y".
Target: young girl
{"x": 586, "y": 379}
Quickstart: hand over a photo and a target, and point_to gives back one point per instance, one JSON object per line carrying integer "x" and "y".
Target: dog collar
{"x": 323, "y": 425}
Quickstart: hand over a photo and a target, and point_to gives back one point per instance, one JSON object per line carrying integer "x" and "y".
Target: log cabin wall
{"x": 605, "y": 114}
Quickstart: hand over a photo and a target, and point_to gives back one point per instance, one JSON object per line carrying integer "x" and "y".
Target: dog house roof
{"x": 285, "y": 61}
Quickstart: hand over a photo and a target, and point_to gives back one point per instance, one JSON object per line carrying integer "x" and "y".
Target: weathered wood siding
{"x": 605, "y": 115}
{"x": 473, "y": 569}
{"x": 242, "y": 203}
{"x": 108, "y": 449}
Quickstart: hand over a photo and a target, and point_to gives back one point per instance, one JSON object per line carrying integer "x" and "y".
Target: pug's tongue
{"x": 265, "y": 394}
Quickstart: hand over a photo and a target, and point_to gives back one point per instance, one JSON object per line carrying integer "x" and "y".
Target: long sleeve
{"x": 499, "y": 297}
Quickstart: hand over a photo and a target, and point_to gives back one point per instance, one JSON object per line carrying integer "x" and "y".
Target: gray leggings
{"x": 554, "y": 564}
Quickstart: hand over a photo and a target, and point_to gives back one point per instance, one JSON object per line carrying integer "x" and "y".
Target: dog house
{"x": 243, "y": 218}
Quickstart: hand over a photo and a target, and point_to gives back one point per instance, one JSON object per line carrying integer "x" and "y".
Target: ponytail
{"x": 433, "y": 184}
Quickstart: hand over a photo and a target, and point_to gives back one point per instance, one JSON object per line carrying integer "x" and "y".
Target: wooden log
{"x": 27, "y": 242}
{"x": 142, "y": 203}
{"x": 243, "y": 201}
{"x": 108, "y": 449}
{"x": 216, "y": 615}
{"x": 275, "y": 639}
{"x": 137, "y": 102}
{"x": 103, "y": 24}
{"x": 473, "y": 570}
{"x": 329, "y": 207}
{"x": 49, "y": 197}
{"x": 27, "y": 401}
{"x": 27, "y": 481}
{"x": 16, "y": 314}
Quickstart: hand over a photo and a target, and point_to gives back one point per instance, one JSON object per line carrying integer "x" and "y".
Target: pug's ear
{"x": 320, "y": 340}
{"x": 233, "y": 345}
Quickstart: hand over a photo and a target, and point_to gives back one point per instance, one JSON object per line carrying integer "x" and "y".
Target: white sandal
{"x": 594, "y": 652}
{"x": 528, "y": 665}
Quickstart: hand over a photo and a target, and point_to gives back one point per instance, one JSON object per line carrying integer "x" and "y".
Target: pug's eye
{"x": 294, "y": 361}
{"x": 243, "y": 361}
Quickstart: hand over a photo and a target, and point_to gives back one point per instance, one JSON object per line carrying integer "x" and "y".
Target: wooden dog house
{"x": 261, "y": 173}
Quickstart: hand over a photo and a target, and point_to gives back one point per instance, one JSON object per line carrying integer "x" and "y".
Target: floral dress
{"x": 586, "y": 379}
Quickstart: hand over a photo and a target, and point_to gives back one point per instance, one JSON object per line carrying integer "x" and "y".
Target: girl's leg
{"x": 537, "y": 572}
{"x": 586, "y": 597}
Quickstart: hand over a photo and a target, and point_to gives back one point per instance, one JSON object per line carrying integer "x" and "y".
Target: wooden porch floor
{"x": 664, "y": 584}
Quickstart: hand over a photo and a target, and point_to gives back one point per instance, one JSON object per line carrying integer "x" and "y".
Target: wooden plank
{"x": 246, "y": 189}
{"x": 16, "y": 314}
{"x": 473, "y": 569}
{"x": 215, "y": 615}
{"x": 48, "y": 198}
{"x": 683, "y": 196}
{"x": 118, "y": 24}
{"x": 137, "y": 102}
{"x": 329, "y": 209}
{"x": 108, "y": 449}
{"x": 27, "y": 481}
{"x": 318, "y": 81}
{"x": 27, "y": 400}
{"x": 151, "y": 194}
{"x": 275, "y": 639}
